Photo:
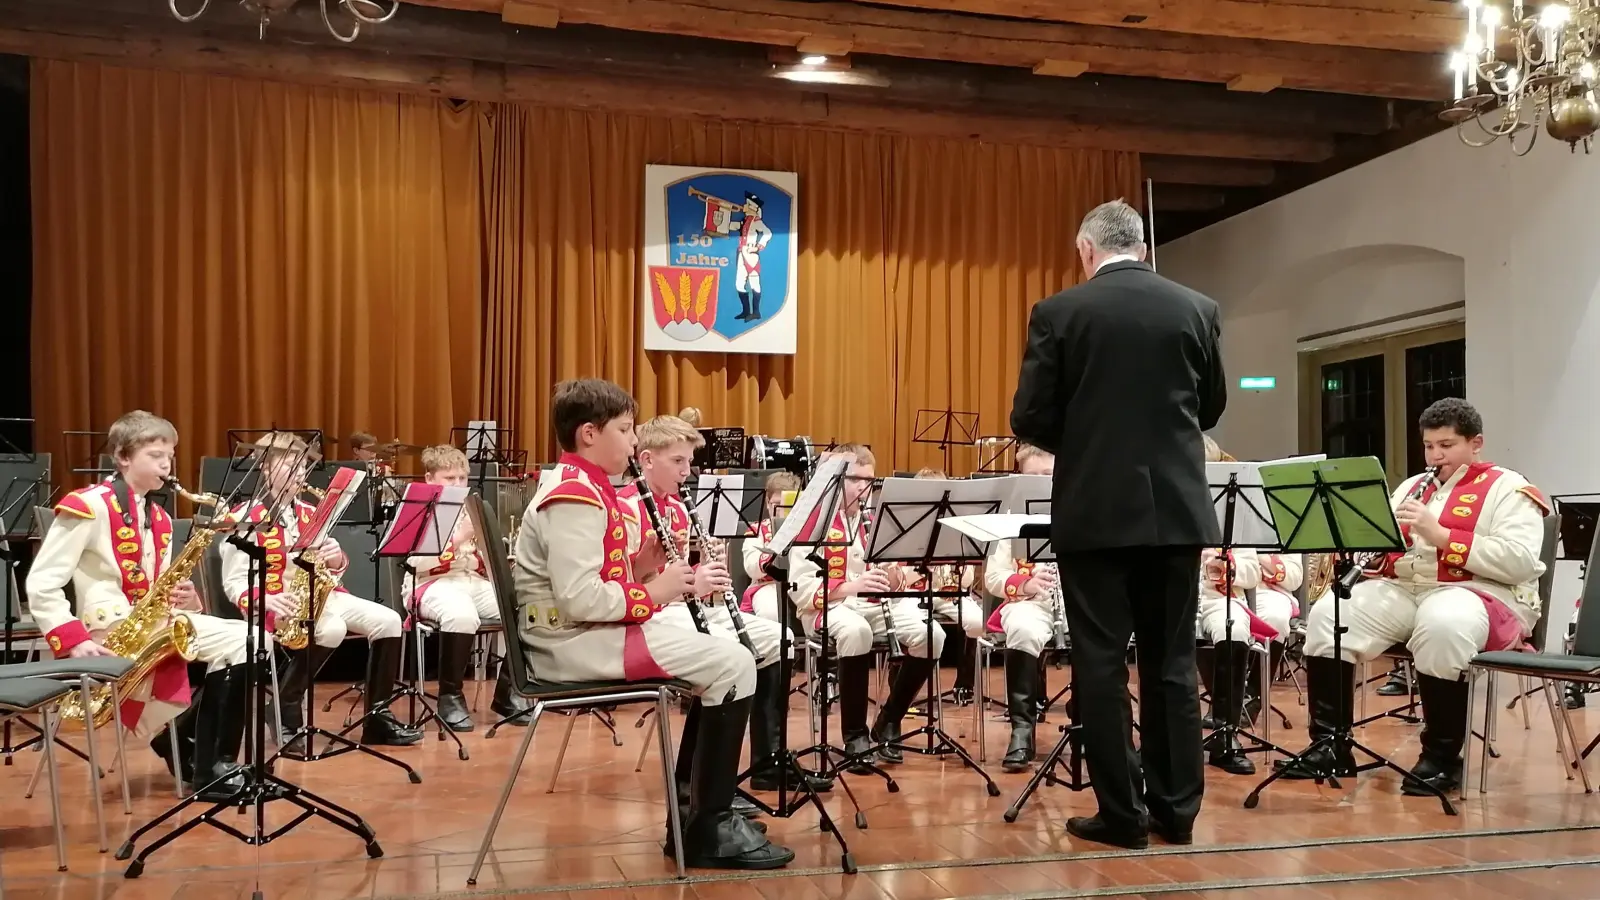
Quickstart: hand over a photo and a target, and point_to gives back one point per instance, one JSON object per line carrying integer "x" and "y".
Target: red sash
{"x": 169, "y": 683}
{"x": 763, "y": 533}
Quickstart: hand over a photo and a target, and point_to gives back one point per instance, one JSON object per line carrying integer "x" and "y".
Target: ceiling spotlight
{"x": 813, "y": 60}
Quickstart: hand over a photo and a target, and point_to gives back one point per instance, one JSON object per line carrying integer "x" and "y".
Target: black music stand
{"x": 1231, "y": 500}
{"x": 27, "y": 485}
{"x": 424, "y": 521}
{"x": 1070, "y": 744}
{"x": 817, "y": 506}
{"x": 262, "y": 785}
{"x": 338, "y": 743}
{"x": 907, "y": 530}
{"x": 485, "y": 443}
{"x": 1337, "y": 506}
{"x": 788, "y": 760}
{"x": 945, "y": 428}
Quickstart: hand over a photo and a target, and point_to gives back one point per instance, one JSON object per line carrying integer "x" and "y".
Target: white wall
{"x": 1514, "y": 238}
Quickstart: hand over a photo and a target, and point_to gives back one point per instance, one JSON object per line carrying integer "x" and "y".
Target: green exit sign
{"x": 1258, "y": 383}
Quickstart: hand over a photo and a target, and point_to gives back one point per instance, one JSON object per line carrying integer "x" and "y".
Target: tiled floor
{"x": 597, "y": 836}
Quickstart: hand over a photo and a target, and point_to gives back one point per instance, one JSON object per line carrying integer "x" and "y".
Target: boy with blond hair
{"x": 110, "y": 543}
{"x": 452, "y": 592}
{"x": 284, "y": 465}
{"x": 849, "y": 591}
{"x": 666, "y": 445}
{"x": 591, "y": 603}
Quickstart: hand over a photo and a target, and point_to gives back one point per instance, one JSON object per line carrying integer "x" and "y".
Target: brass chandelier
{"x": 1530, "y": 66}
{"x": 359, "y": 12}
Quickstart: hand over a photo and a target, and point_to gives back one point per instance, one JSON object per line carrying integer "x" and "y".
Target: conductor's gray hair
{"x": 1113, "y": 227}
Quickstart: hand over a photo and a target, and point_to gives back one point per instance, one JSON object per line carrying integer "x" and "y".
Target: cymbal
{"x": 398, "y": 447}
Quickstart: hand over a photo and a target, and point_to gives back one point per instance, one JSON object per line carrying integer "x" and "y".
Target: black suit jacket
{"x": 1121, "y": 375}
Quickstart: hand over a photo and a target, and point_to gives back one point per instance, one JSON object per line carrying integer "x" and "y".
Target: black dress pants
{"x": 1149, "y": 593}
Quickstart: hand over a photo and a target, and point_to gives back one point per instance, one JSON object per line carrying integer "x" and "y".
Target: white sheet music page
{"x": 823, "y": 494}
{"x": 719, "y": 516}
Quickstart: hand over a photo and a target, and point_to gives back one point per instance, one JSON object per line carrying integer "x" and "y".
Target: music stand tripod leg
{"x": 1046, "y": 770}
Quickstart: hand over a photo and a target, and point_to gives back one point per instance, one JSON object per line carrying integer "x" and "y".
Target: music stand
{"x": 26, "y": 479}
{"x": 907, "y": 530}
{"x": 485, "y": 442}
{"x": 424, "y": 521}
{"x": 342, "y": 490}
{"x": 945, "y": 428}
{"x": 1339, "y": 506}
{"x": 262, "y": 784}
{"x": 996, "y": 454}
{"x": 807, "y": 525}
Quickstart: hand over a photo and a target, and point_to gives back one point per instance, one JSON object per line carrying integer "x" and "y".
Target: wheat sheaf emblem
{"x": 678, "y": 304}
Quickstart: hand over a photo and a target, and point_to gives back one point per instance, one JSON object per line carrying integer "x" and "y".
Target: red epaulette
{"x": 1538, "y": 498}
{"x": 571, "y": 491}
{"x": 77, "y": 503}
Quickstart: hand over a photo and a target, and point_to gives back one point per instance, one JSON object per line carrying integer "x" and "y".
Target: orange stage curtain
{"x": 919, "y": 260}
{"x": 411, "y": 265}
{"x": 239, "y": 254}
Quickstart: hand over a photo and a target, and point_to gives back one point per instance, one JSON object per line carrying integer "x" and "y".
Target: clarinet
{"x": 1058, "y": 613}
{"x": 668, "y": 543}
{"x": 886, "y": 603}
{"x": 1358, "y": 564}
{"x": 729, "y": 601}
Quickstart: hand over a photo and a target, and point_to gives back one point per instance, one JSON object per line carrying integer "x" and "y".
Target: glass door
{"x": 1363, "y": 399}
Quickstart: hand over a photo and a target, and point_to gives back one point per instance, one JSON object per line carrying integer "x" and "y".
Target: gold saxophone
{"x": 152, "y": 632}
{"x": 310, "y": 592}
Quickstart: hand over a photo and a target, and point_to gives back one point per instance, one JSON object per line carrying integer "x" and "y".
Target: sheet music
{"x": 416, "y": 532}
{"x": 905, "y": 525}
{"x": 995, "y": 527}
{"x": 342, "y": 490}
{"x": 823, "y": 495}
{"x": 1252, "y": 513}
{"x": 718, "y": 518}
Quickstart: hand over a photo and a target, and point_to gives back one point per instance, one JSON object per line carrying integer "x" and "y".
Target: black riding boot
{"x": 771, "y": 707}
{"x": 1397, "y": 685}
{"x": 507, "y": 702}
{"x": 1227, "y": 694}
{"x": 1444, "y": 736}
{"x": 1022, "y": 702}
{"x": 714, "y": 836}
{"x": 383, "y": 669}
{"x": 218, "y": 731}
{"x": 1331, "y": 698}
{"x": 853, "y": 709}
{"x": 966, "y": 670}
{"x": 755, "y": 305}
{"x": 161, "y": 743}
{"x": 293, "y": 679}
{"x": 908, "y": 683}
{"x": 683, "y": 775}
{"x": 744, "y": 306}
{"x": 455, "y": 651}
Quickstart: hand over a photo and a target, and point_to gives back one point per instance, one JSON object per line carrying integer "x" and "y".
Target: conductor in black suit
{"x": 1121, "y": 375}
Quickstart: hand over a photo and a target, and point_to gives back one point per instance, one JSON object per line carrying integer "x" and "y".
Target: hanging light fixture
{"x": 1530, "y": 66}
{"x": 360, "y": 12}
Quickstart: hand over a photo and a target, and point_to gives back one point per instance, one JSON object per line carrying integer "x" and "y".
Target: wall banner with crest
{"x": 721, "y": 255}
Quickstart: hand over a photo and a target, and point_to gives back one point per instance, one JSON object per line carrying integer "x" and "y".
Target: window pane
{"x": 1433, "y": 372}
{"x": 1352, "y": 408}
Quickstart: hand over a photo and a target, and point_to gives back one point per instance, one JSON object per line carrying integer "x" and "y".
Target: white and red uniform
{"x": 1272, "y": 576}
{"x": 1479, "y": 592}
{"x": 963, "y": 610}
{"x": 586, "y": 617}
{"x": 1025, "y": 620}
{"x": 111, "y": 563}
{"x": 344, "y": 612}
{"x": 853, "y": 622}
{"x": 753, "y": 237}
{"x": 452, "y": 590}
{"x": 764, "y": 634}
{"x": 761, "y": 597}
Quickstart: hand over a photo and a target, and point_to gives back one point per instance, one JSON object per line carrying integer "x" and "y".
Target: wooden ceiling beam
{"x": 916, "y": 84}
{"x": 1426, "y": 26}
{"x": 1011, "y": 42}
{"x": 355, "y": 66}
{"x": 1193, "y": 170}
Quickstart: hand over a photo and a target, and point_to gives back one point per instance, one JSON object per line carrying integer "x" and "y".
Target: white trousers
{"x": 1027, "y": 626}
{"x": 459, "y": 603}
{"x": 1213, "y": 625}
{"x": 217, "y": 642}
{"x": 1443, "y": 627}
{"x": 765, "y": 602}
{"x": 348, "y": 614}
{"x": 963, "y": 611}
{"x": 717, "y": 669}
{"x": 854, "y": 624}
{"x": 1276, "y": 609}
{"x": 764, "y": 635}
